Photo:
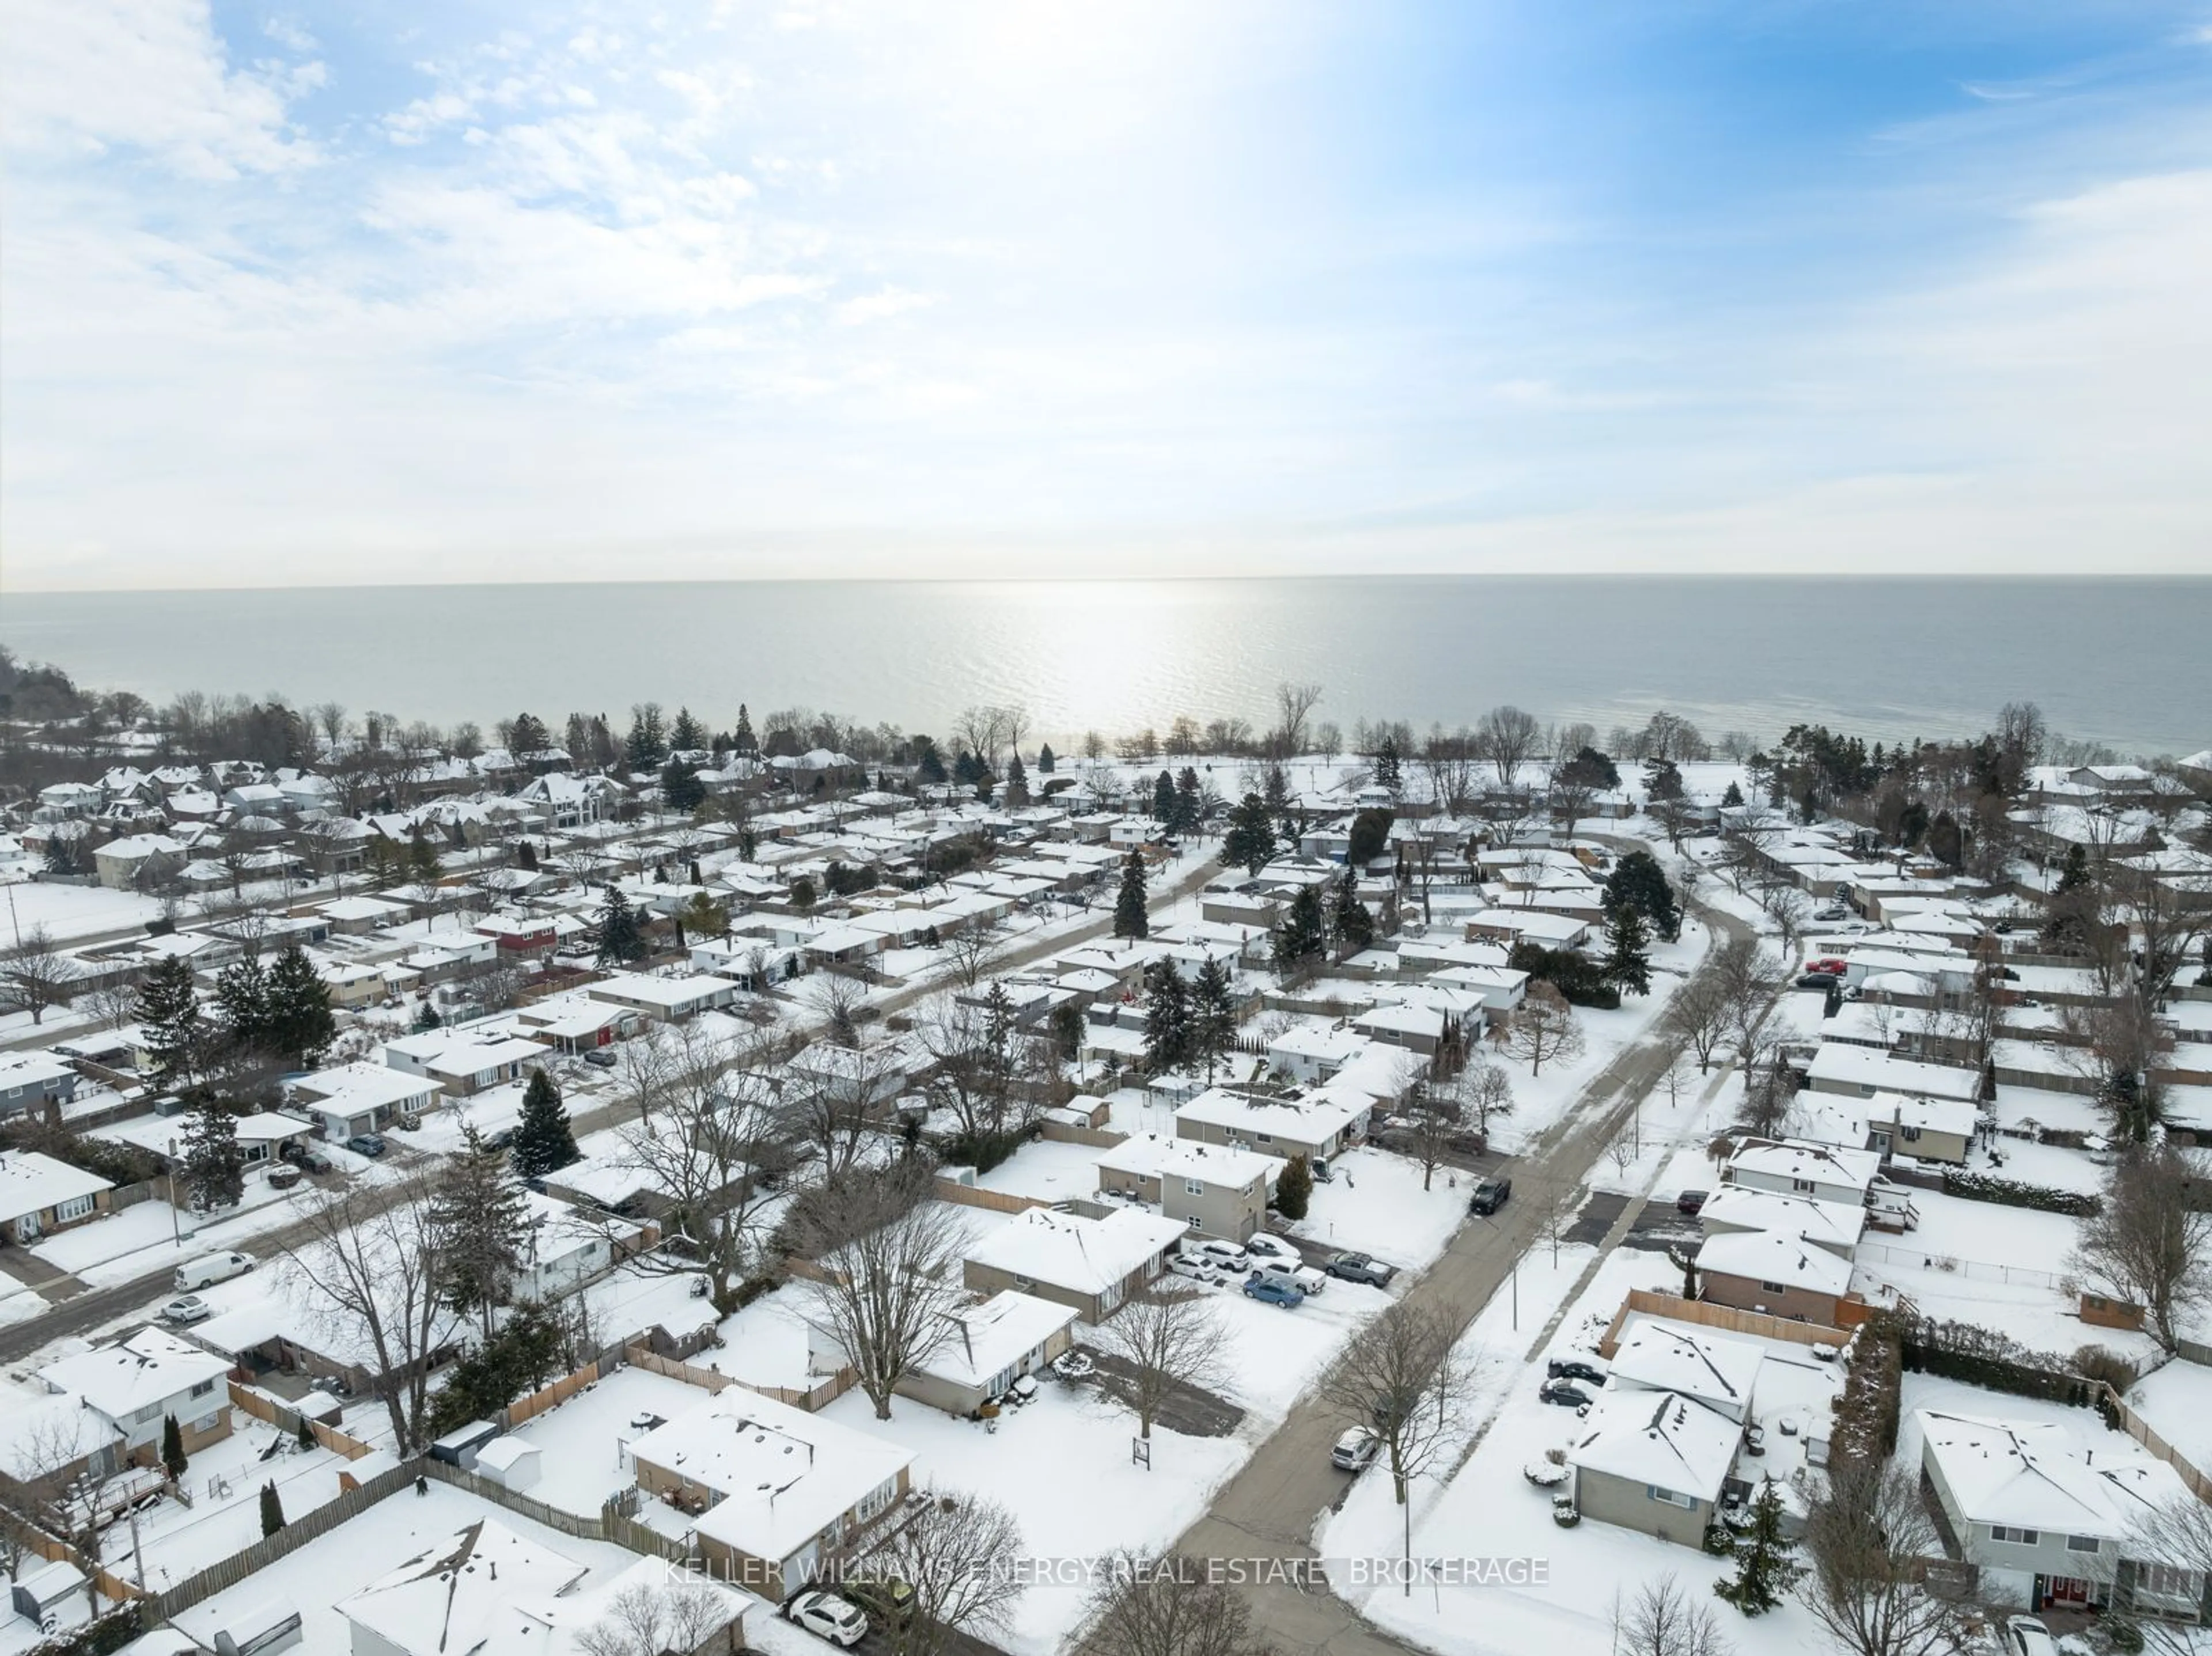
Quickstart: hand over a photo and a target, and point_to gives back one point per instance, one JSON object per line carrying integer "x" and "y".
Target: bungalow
{"x": 987, "y": 1347}
{"x": 573, "y": 1023}
{"x": 865, "y": 1077}
{"x": 1925, "y": 1129}
{"x": 1314, "y": 1125}
{"x": 665, "y": 1000}
{"x": 1861, "y": 1070}
{"x": 2050, "y": 1524}
{"x": 463, "y": 1061}
{"x": 1654, "y": 1462}
{"x": 1835, "y": 1226}
{"x": 1706, "y": 1368}
{"x": 1774, "y": 1272}
{"x": 1092, "y": 1265}
{"x": 358, "y": 1098}
{"x": 1512, "y": 926}
{"x": 782, "y": 1496}
{"x": 563, "y": 1248}
{"x": 465, "y": 1593}
{"x": 1218, "y": 1190}
{"x": 1823, "y": 1171}
{"x": 39, "y": 1195}
{"x": 1309, "y": 1054}
{"x": 33, "y": 1082}
{"x": 135, "y": 1386}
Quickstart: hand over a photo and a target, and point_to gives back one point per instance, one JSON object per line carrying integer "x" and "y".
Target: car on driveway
{"x": 367, "y": 1143}
{"x": 1273, "y": 1292}
{"x": 1574, "y": 1368}
{"x": 1355, "y": 1450}
{"x": 1361, "y": 1268}
{"x": 1691, "y": 1203}
{"x": 2026, "y": 1636}
{"x": 187, "y": 1309}
{"x": 826, "y": 1614}
{"x": 1566, "y": 1393}
{"x": 1490, "y": 1195}
{"x": 1304, "y": 1278}
{"x": 1195, "y": 1267}
{"x": 601, "y": 1058}
{"x": 886, "y": 1597}
{"x": 1226, "y": 1257}
{"x": 1272, "y": 1250}
{"x": 1819, "y": 980}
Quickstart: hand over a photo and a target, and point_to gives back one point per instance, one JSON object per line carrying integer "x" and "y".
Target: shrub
{"x": 2099, "y": 1363}
{"x": 1866, "y": 1413}
{"x": 1982, "y": 1356}
{"x": 2013, "y": 1194}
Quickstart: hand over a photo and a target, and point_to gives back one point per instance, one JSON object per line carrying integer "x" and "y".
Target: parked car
{"x": 367, "y": 1143}
{"x": 211, "y": 1268}
{"x": 1574, "y": 1368}
{"x": 1198, "y": 1268}
{"x": 2026, "y": 1636}
{"x": 283, "y": 1175}
{"x": 1273, "y": 1292}
{"x": 1819, "y": 980}
{"x": 314, "y": 1161}
{"x": 1833, "y": 967}
{"x": 1304, "y": 1278}
{"x": 1361, "y": 1268}
{"x": 1490, "y": 1195}
{"x": 501, "y": 1140}
{"x": 187, "y": 1309}
{"x": 1355, "y": 1450}
{"x": 1691, "y": 1202}
{"x": 826, "y": 1614}
{"x": 1322, "y": 1172}
{"x": 1225, "y": 1257}
{"x": 1272, "y": 1250}
{"x": 1566, "y": 1393}
{"x": 1833, "y": 911}
{"x": 601, "y": 1058}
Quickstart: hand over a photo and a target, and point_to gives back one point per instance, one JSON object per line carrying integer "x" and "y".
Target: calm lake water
{"x": 2127, "y": 662}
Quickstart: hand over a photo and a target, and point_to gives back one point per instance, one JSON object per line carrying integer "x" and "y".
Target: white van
{"x": 213, "y": 1268}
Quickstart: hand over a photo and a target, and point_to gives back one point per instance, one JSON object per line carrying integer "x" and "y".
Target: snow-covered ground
{"x": 2176, "y": 1399}
{"x": 1375, "y": 1205}
{"x": 584, "y": 1461}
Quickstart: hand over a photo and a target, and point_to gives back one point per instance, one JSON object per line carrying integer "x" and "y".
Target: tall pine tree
{"x": 1164, "y": 801}
{"x": 544, "y": 1141}
{"x": 301, "y": 1024}
{"x": 1190, "y": 802}
{"x": 1131, "y": 918}
{"x": 1167, "y": 1017}
{"x": 241, "y": 1003}
{"x": 173, "y": 1460}
{"x": 1250, "y": 841}
{"x": 272, "y": 1509}
{"x": 742, "y": 738}
{"x": 1212, "y": 1014}
{"x": 1627, "y": 964}
{"x": 214, "y": 1166}
{"x": 1298, "y": 939}
{"x": 1354, "y": 925}
{"x": 621, "y": 940}
{"x": 482, "y": 1221}
{"x": 1045, "y": 760}
{"x": 1764, "y": 1569}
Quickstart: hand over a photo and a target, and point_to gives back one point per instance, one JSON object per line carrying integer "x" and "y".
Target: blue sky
{"x": 411, "y": 292}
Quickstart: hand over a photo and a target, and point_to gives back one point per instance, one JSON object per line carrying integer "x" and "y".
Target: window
{"x": 2082, "y": 1544}
{"x": 1670, "y": 1497}
{"x": 151, "y": 1411}
{"x": 1801, "y": 1184}
{"x": 207, "y": 1422}
{"x": 1773, "y": 1287}
{"x": 1912, "y": 1134}
{"x": 204, "y": 1388}
{"x": 1264, "y": 1137}
{"x": 2016, "y": 1538}
{"x": 75, "y": 1208}
{"x": 1194, "y": 1188}
{"x": 2167, "y": 1581}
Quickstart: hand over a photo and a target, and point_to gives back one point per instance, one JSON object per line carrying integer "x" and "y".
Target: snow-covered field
{"x": 583, "y": 1462}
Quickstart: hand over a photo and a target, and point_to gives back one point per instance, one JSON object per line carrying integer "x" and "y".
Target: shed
{"x": 259, "y": 1629}
{"x": 461, "y": 1447}
{"x": 38, "y": 1594}
{"x": 510, "y": 1462}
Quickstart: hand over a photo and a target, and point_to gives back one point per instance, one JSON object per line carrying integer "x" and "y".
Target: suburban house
{"x": 1839, "y": 1067}
{"x": 573, "y": 1024}
{"x": 1708, "y": 1368}
{"x": 1308, "y": 1053}
{"x": 1924, "y": 1129}
{"x": 1092, "y": 1265}
{"x": 1772, "y": 1271}
{"x": 988, "y": 1347}
{"x": 2050, "y": 1522}
{"x": 124, "y": 864}
{"x": 1316, "y": 1125}
{"x": 668, "y": 1000}
{"x": 778, "y": 1495}
{"x": 39, "y": 1195}
{"x": 135, "y": 1386}
{"x": 463, "y": 1063}
{"x": 1536, "y": 925}
{"x": 357, "y": 1098}
{"x": 562, "y": 1248}
{"x": 1835, "y": 1226}
{"x": 1827, "y": 1172}
{"x": 1218, "y": 1190}
{"x": 465, "y": 1592}
{"x": 29, "y": 1082}
{"x": 865, "y": 1077}
{"x": 1654, "y": 1462}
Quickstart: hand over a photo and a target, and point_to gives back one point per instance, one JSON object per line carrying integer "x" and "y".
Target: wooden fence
{"x": 1677, "y": 1309}
{"x": 551, "y": 1397}
{"x": 2116, "y": 1409}
{"x": 973, "y": 1196}
{"x": 261, "y": 1406}
{"x": 1070, "y": 1132}
{"x": 713, "y": 1381}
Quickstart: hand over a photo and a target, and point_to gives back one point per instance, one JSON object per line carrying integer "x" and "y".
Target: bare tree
{"x": 1665, "y": 1619}
{"x": 890, "y": 1287}
{"x": 1484, "y": 1091}
{"x": 838, "y": 999}
{"x": 954, "y": 1553}
{"x": 41, "y": 1489}
{"x": 1167, "y": 1606}
{"x": 35, "y": 975}
{"x": 1702, "y": 1013}
{"x": 1294, "y": 705}
{"x": 645, "y": 1619}
{"x": 1787, "y": 908}
{"x": 1507, "y": 738}
{"x": 2147, "y": 1244}
{"x": 1557, "y": 1207}
{"x": 1543, "y": 1026}
{"x": 994, "y": 1080}
{"x": 1171, "y": 1341}
{"x": 835, "y": 1112}
{"x": 1868, "y": 1538}
{"x": 373, "y": 1261}
{"x": 972, "y": 950}
{"x": 1401, "y": 1380}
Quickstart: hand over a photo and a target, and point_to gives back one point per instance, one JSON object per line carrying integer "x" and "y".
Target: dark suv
{"x": 1490, "y": 1195}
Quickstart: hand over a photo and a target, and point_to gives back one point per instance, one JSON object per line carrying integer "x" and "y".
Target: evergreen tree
{"x": 1131, "y": 918}
{"x": 1733, "y": 798}
{"x": 681, "y": 790}
{"x": 1212, "y": 1014}
{"x": 1627, "y": 965}
{"x": 482, "y": 1223}
{"x": 214, "y": 1166}
{"x": 2076, "y": 873}
{"x": 802, "y": 893}
{"x": 382, "y": 865}
{"x": 1250, "y": 840}
{"x": 1390, "y": 764}
{"x": 742, "y": 739}
{"x": 1045, "y": 760}
{"x": 1299, "y": 941}
{"x": 928, "y": 763}
{"x": 526, "y": 855}
{"x": 544, "y": 1141}
{"x": 1639, "y": 882}
{"x": 1369, "y": 838}
{"x": 1168, "y": 1031}
{"x": 241, "y": 1001}
{"x": 645, "y": 748}
{"x": 301, "y": 1024}
{"x": 528, "y": 736}
{"x": 685, "y": 735}
{"x": 173, "y": 1449}
{"x": 1275, "y": 794}
{"x": 621, "y": 940}
{"x": 1764, "y": 1569}
{"x": 272, "y": 1509}
{"x": 524, "y": 1354}
{"x": 1164, "y": 801}
{"x": 1662, "y": 780}
{"x": 307, "y": 1433}
{"x": 1190, "y": 802}
{"x": 1017, "y": 783}
{"x": 169, "y": 1016}
{"x": 1355, "y": 926}
{"x": 422, "y": 859}
{"x": 1294, "y": 1188}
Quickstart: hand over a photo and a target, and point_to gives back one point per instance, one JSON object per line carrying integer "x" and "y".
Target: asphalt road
{"x": 1268, "y": 1510}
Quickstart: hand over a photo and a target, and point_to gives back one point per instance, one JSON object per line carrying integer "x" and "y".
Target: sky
{"x": 412, "y": 292}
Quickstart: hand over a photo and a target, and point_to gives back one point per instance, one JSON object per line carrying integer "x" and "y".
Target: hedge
{"x": 1866, "y": 1413}
{"x": 1982, "y": 1356}
{"x": 2013, "y": 1194}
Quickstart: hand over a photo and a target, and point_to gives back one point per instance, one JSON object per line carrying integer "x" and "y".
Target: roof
{"x": 1864, "y": 1066}
{"x": 1711, "y": 1368}
{"x": 1309, "y": 1118}
{"x": 2039, "y": 1477}
{"x": 990, "y": 1337}
{"x": 1657, "y": 1438}
{"x": 660, "y": 991}
{"x": 1150, "y": 1155}
{"x": 784, "y": 1475}
{"x": 151, "y": 1367}
{"x": 1747, "y": 1207}
{"x": 352, "y": 1087}
{"x": 32, "y": 1181}
{"x": 1775, "y": 1256}
{"x": 459, "y": 1596}
{"x": 1068, "y": 1250}
{"x": 1824, "y": 1164}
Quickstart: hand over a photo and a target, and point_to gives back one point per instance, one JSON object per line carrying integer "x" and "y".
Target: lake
{"x": 2125, "y": 662}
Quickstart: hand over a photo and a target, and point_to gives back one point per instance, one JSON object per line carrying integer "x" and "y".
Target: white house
{"x": 352, "y": 1098}
{"x": 460, "y": 1594}
{"x": 135, "y": 1386}
{"x": 40, "y": 1194}
{"x": 1653, "y": 1461}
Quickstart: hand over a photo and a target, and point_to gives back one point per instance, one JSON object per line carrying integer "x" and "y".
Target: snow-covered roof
{"x": 461, "y": 1594}
{"x": 990, "y": 1337}
{"x": 1066, "y": 1250}
{"x": 1309, "y": 1118}
{"x": 1775, "y": 1256}
{"x": 1660, "y": 1439}
{"x": 1657, "y": 1356}
{"x": 2036, "y": 1476}
{"x": 1865, "y": 1067}
{"x": 1823, "y": 1164}
{"x": 1153, "y": 1155}
{"x": 32, "y": 1181}
{"x": 784, "y": 1475}
{"x": 1747, "y": 1207}
{"x": 150, "y": 1367}
{"x": 354, "y": 1087}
